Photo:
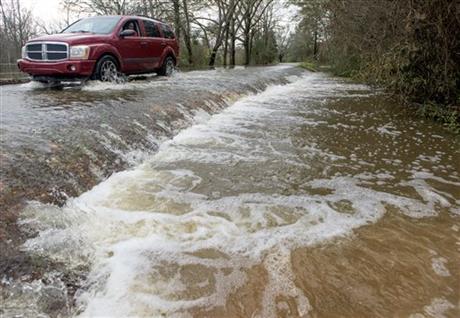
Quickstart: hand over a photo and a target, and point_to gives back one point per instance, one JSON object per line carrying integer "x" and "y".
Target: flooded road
{"x": 312, "y": 197}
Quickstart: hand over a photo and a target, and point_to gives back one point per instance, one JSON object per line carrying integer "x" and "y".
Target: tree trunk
{"x": 212, "y": 58}
{"x": 21, "y": 26}
{"x": 151, "y": 8}
{"x": 227, "y": 30}
{"x": 248, "y": 48}
{"x": 247, "y": 44}
{"x": 251, "y": 42}
{"x": 247, "y": 53}
{"x": 225, "y": 16}
{"x": 177, "y": 24}
{"x": 232, "y": 43}
{"x": 187, "y": 36}
{"x": 315, "y": 46}
{"x": 215, "y": 49}
{"x": 145, "y": 10}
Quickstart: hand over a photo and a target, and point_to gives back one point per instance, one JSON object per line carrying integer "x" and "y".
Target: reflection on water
{"x": 316, "y": 198}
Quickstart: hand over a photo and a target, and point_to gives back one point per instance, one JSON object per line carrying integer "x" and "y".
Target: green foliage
{"x": 310, "y": 66}
{"x": 449, "y": 117}
{"x": 264, "y": 49}
{"x": 300, "y": 46}
{"x": 200, "y": 54}
{"x": 345, "y": 65}
{"x": 304, "y": 44}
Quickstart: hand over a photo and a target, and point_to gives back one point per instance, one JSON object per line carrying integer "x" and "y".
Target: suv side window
{"x": 151, "y": 29}
{"x": 167, "y": 32}
{"x": 132, "y": 25}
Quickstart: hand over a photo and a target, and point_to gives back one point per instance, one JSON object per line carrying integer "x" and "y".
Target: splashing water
{"x": 224, "y": 204}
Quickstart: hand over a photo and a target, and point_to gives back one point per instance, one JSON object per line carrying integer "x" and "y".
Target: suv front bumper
{"x": 65, "y": 69}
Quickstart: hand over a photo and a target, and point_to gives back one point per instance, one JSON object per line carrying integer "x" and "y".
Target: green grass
{"x": 449, "y": 117}
{"x": 310, "y": 66}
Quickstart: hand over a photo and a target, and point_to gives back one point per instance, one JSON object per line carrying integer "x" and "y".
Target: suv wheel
{"x": 167, "y": 68}
{"x": 106, "y": 69}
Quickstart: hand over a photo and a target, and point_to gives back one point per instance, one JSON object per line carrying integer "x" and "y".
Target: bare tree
{"x": 106, "y": 6}
{"x": 187, "y": 31}
{"x": 252, "y": 12}
{"x": 217, "y": 25}
{"x": 18, "y": 26}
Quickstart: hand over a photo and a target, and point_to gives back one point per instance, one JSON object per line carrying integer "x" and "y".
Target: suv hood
{"x": 72, "y": 38}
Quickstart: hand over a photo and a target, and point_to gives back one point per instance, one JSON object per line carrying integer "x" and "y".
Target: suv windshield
{"x": 99, "y": 25}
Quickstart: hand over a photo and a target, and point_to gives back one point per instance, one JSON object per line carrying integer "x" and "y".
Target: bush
{"x": 310, "y": 66}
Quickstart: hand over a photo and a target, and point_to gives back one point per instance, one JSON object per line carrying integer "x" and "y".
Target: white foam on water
{"x": 438, "y": 308}
{"x": 281, "y": 282}
{"x": 127, "y": 247}
{"x": 96, "y": 86}
{"x": 32, "y": 85}
{"x": 439, "y": 266}
{"x": 148, "y": 81}
{"x": 158, "y": 246}
{"x": 388, "y": 129}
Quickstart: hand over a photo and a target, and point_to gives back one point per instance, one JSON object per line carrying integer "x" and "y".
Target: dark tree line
{"x": 411, "y": 47}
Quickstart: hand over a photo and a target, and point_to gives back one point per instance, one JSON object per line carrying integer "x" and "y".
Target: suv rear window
{"x": 151, "y": 29}
{"x": 167, "y": 32}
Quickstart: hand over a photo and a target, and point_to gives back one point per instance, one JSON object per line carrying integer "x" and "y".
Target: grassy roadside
{"x": 448, "y": 116}
{"x": 311, "y": 66}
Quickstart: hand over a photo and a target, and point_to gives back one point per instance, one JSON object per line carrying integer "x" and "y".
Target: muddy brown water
{"x": 313, "y": 197}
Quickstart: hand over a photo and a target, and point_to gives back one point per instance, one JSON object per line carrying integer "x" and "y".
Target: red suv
{"x": 101, "y": 47}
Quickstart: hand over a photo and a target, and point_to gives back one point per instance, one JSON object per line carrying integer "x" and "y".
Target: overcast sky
{"x": 50, "y": 11}
{"x": 44, "y": 9}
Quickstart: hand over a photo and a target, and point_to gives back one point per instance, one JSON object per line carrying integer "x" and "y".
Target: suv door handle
{"x": 144, "y": 43}
{"x": 163, "y": 43}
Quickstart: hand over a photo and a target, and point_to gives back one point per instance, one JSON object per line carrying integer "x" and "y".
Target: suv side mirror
{"x": 126, "y": 33}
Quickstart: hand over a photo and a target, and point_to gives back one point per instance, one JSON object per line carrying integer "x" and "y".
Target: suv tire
{"x": 106, "y": 69}
{"x": 167, "y": 68}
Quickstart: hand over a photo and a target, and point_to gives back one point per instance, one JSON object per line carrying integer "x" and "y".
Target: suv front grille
{"x": 47, "y": 51}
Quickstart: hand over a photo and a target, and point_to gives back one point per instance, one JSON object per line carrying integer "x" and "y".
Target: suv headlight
{"x": 23, "y": 52}
{"x": 79, "y": 52}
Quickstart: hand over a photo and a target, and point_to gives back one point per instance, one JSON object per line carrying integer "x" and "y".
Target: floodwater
{"x": 312, "y": 198}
